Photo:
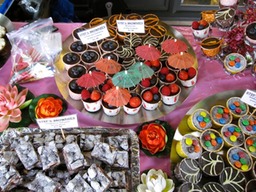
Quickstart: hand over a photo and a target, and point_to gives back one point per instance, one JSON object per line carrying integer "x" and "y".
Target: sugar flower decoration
{"x": 155, "y": 181}
{"x": 11, "y": 101}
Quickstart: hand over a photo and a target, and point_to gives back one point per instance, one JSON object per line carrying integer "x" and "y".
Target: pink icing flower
{"x": 10, "y": 101}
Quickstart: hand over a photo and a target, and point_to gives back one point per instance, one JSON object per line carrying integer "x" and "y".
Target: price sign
{"x": 131, "y": 26}
{"x": 249, "y": 97}
{"x": 63, "y": 122}
{"x": 94, "y": 34}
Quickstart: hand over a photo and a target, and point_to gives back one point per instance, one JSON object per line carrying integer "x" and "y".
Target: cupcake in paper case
{"x": 189, "y": 187}
{"x": 189, "y": 147}
{"x": 109, "y": 45}
{"x": 211, "y": 163}
{"x": 253, "y": 172}
{"x": 250, "y": 33}
{"x": 200, "y": 120}
{"x": 157, "y": 31}
{"x": 251, "y": 186}
{"x": 211, "y": 140}
{"x": 109, "y": 109}
{"x": 213, "y": 187}
{"x": 76, "y": 71}
{"x": 188, "y": 77}
{"x": 170, "y": 93}
{"x": 70, "y": 59}
{"x": 188, "y": 170}
{"x": 76, "y": 32}
{"x": 250, "y": 145}
{"x": 232, "y": 135}
{"x": 225, "y": 18}
{"x": 150, "y": 99}
{"x": 220, "y": 116}
{"x": 232, "y": 180}
{"x": 74, "y": 90}
{"x": 77, "y": 47}
{"x": 134, "y": 104}
{"x": 150, "y": 19}
{"x": 92, "y": 99}
{"x": 237, "y": 107}
{"x": 248, "y": 124}
{"x": 239, "y": 159}
{"x": 90, "y": 57}
{"x": 235, "y": 63}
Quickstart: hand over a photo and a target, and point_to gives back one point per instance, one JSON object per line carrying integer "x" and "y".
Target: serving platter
{"x": 122, "y": 117}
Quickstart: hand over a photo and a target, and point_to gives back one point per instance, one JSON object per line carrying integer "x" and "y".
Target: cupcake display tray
{"x": 122, "y": 117}
{"x": 23, "y": 172}
{"x": 218, "y": 99}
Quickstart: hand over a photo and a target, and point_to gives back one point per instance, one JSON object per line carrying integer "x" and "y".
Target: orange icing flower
{"x": 48, "y": 107}
{"x": 153, "y": 137}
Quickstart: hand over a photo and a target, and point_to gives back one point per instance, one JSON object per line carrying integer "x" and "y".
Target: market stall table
{"x": 212, "y": 79}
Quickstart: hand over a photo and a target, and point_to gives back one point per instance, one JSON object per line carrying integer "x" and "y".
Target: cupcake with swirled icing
{"x": 132, "y": 40}
{"x": 200, "y": 120}
{"x": 188, "y": 170}
{"x": 237, "y": 107}
{"x": 232, "y": 180}
{"x": 127, "y": 62}
{"x": 225, "y": 17}
{"x": 212, "y": 186}
{"x": 211, "y": 163}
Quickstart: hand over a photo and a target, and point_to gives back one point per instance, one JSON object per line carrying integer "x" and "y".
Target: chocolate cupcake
{"x": 250, "y": 186}
{"x": 210, "y": 49}
{"x": 89, "y": 57}
{"x": 112, "y": 33}
{"x": 157, "y": 31}
{"x": 149, "y": 40}
{"x": 186, "y": 187}
{"x": 70, "y": 59}
{"x": 232, "y": 180}
{"x": 125, "y": 52}
{"x": 212, "y": 187}
{"x": 112, "y": 20}
{"x": 111, "y": 55}
{"x": 220, "y": 116}
{"x": 127, "y": 62}
{"x": 132, "y": 40}
{"x": 250, "y": 33}
{"x": 150, "y": 20}
{"x": 199, "y": 120}
{"x": 232, "y": 135}
{"x": 248, "y": 124}
{"x": 211, "y": 163}
{"x": 74, "y": 90}
{"x": 239, "y": 159}
{"x": 96, "y": 21}
{"x": 211, "y": 140}
{"x": 237, "y": 107}
{"x": 77, "y": 47}
{"x": 133, "y": 16}
{"x": 225, "y": 17}
{"x": 75, "y": 33}
{"x": 188, "y": 170}
{"x": 189, "y": 147}
{"x": 109, "y": 45}
{"x": 76, "y": 71}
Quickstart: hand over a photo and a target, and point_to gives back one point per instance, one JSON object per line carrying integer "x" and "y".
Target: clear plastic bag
{"x": 34, "y": 51}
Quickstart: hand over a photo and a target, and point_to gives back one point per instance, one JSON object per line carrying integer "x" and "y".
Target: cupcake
{"x": 166, "y": 76}
{"x": 127, "y": 62}
{"x": 254, "y": 170}
{"x": 110, "y": 55}
{"x": 235, "y": 63}
{"x": 96, "y": 21}
{"x": 76, "y": 71}
{"x": 74, "y": 90}
{"x": 112, "y": 33}
{"x": 211, "y": 46}
{"x": 185, "y": 187}
{"x": 188, "y": 77}
{"x": 125, "y": 52}
{"x": 250, "y": 33}
{"x": 232, "y": 180}
{"x": 70, "y": 59}
{"x": 250, "y": 186}
{"x": 148, "y": 82}
{"x": 110, "y": 110}
{"x": 189, "y": 147}
{"x": 232, "y": 135}
{"x": 157, "y": 31}
{"x": 225, "y": 18}
{"x": 199, "y": 120}
{"x": 237, "y": 107}
{"x": 109, "y": 45}
{"x": 149, "y": 40}
{"x": 239, "y": 159}
{"x": 150, "y": 99}
{"x": 75, "y": 33}
{"x": 250, "y": 145}
{"x": 89, "y": 57}
{"x": 208, "y": 15}
{"x": 91, "y": 99}
{"x": 112, "y": 20}
{"x": 188, "y": 170}
{"x": 211, "y": 163}
{"x": 248, "y": 124}
{"x": 132, "y": 40}
{"x": 170, "y": 93}
{"x": 77, "y": 47}
{"x": 200, "y": 29}
{"x": 150, "y": 20}
{"x": 220, "y": 116}
{"x": 211, "y": 140}
{"x": 213, "y": 187}
{"x": 134, "y": 104}
{"x": 133, "y": 16}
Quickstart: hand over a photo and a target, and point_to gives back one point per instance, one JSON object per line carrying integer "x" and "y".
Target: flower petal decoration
{"x": 47, "y": 106}
{"x": 155, "y": 138}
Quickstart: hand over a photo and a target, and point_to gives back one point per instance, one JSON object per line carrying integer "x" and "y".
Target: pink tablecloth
{"x": 211, "y": 80}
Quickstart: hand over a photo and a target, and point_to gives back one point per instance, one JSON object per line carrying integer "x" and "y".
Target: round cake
{"x": 188, "y": 170}
{"x": 70, "y": 59}
{"x": 237, "y": 107}
{"x": 76, "y": 71}
{"x": 220, "y": 116}
{"x": 189, "y": 147}
{"x": 239, "y": 159}
{"x": 74, "y": 90}
{"x": 213, "y": 187}
{"x": 232, "y": 180}
{"x": 250, "y": 145}
{"x": 199, "y": 120}
{"x": 248, "y": 124}
{"x": 189, "y": 187}
{"x": 232, "y": 135}
{"x": 211, "y": 163}
{"x": 211, "y": 140}
{"x": 235, "y": 63}
{"x": 77, "y": 47}
{"x": 250, "y": 186}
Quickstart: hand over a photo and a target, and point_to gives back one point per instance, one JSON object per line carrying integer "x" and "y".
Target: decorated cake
{"x": 200, "y": 120}
{"x": 186, "y": 186}
{"x": 232, "y": 135}
{"x": 248, "y": 124}
{"x": 211, "y": 140}
{"x": 237, "y": 107}
{"x": 220, "y": 116}
{"x": 235, "y": 63}
{"x": 250, "y": 145}
{"x": 213, "y": 186}
{"x": 225, "y": 17}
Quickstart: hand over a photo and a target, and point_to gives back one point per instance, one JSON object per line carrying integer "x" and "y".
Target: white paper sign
{"x": 131, "y": 26}
{"x": 63, "y": 122}
{"x": 249, "y": 97}
{"x": 94, "y": 34}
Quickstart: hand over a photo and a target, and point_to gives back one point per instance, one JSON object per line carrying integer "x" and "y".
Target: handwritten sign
{"x": 94, "y": 34}
{"x": 131, "y": 26}
{"x": 249, "y": 97}
{"x": 63, "y": 122}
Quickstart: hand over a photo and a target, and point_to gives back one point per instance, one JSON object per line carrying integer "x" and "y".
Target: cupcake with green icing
{"x": 199, "y": 120}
